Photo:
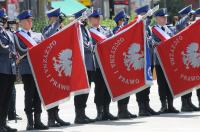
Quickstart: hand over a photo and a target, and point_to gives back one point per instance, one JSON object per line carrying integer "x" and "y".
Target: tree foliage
{"x": 173, "y": 6}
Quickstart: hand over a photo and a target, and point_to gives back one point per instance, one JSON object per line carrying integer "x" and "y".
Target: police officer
{"x": 54, "y": 26}
{"x": 121, "y": 19}
{"x": 80, "y": 100}
{"x": 102, "y": 98}
{"x": 12, "y": 105}
{"x": 197, "y": 14}
{"x": 123, "y": 113}
{"x": 7, "y": 71}
{"x": 197, "y": 17}
{"x": 32, "y": 100}
{"x": 164, "y": 90}
{"x": 12, "y": 115}
{"x": 187, "y": 15}
{"x": 143, "y": 96}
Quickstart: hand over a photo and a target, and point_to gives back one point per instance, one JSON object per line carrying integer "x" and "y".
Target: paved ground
{"x": 182, "y": 122}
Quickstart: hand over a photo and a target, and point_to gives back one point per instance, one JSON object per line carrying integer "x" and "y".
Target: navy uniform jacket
{"x": 51, "y": 29}
{"x": 88, "y": 49}
{"x": 182, "y": 23}
{"x": 169, "y": 31}
{"x": 115, "y": 29}
{"x": 104, "y": 30}
{"x": 7, "y": 56}
{"x": 24, "y": 66}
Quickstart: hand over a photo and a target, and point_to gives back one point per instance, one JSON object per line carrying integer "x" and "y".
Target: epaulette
{"x": 17, "y": 31}
{"x": 170, "y": 25}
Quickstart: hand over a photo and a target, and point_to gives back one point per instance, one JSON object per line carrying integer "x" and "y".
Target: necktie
{"x": 98, "y": 29}
{"x": 163, "y": 28}
{"x": 29, "y": 34}
{"x": 87, "y": 36}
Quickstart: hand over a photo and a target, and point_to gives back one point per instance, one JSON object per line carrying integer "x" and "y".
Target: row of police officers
{"x": 13, "y": 47}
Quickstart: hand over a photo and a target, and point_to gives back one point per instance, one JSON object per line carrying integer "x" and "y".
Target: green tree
{"x": 41, "y": 8}
{"x": 173, "y": 7}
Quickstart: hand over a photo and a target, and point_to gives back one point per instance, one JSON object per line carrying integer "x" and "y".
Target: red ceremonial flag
{"x": 27, "y": 40}
{"x": 180, "y": 60}
{"x": 58, "y": 67}
{"x": 163, "y": 36}
{"x": 121, "y": 59}
{"x": 98, "y": 36}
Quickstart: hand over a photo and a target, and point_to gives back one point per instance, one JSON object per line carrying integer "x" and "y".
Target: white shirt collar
{"x": 160, "y": 25}
{"x": 97, "y": 27}
{"x": 26, "y": 30}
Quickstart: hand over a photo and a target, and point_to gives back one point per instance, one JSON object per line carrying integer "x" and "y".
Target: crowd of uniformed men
{"x": 12, "y": 46}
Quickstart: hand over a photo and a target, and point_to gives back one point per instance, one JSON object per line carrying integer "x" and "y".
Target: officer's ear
{"x": 20, "y": 23}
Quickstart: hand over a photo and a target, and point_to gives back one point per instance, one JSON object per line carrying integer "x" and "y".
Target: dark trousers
{"x": 12, "y": 104}
{"x": 198, "y": 94}
{"x": 187, "y": 96}
{"x": 32, "y": 100}
{"x": 102, "y": 97}
{"x": 143, "y": 96}
{"x": 54, "y": 109}
{"x": 80, "y": 100}
{"x": 124, "y": 101}
{"x": 163, "y": 88}
{"x": 6, "y": 86}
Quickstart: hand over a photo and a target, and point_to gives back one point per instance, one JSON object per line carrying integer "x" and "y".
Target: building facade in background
{"x": 111, "y": 7}
{"x": 108, "y": 7}
{"x": 13, "y": 7}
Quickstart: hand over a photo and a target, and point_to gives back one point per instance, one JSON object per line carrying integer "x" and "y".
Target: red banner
{"x": 121, "y": 59}
{"x": 98, "y": 36}
{"x": 163, "y": 36}
{"x": 58, "y": 66}
{"x": 180, "y": 60}
{"x": 27, "y": 40}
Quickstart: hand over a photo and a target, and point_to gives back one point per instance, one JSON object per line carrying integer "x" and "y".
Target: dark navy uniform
{"x": 163, "y": 88}
{"x": 80, "y": 100}
{"x": 186, "y": 14}
{"x": 12, "y": 115}
{"x": 123, "y": 112}
{"x": 7, "y": 72}
{"x": 117, "y": 28}
{"x": 102, "y": 98}
{"x": 32, "y": 99}
{"x": 48, "y": 31}
{"x": 142, "y": 97}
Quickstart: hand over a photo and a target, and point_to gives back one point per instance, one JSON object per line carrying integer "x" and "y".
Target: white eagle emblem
{"x": 64, "y": 63}
{"x": 134, "y": 58}
{"x": 191, "y": 58}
